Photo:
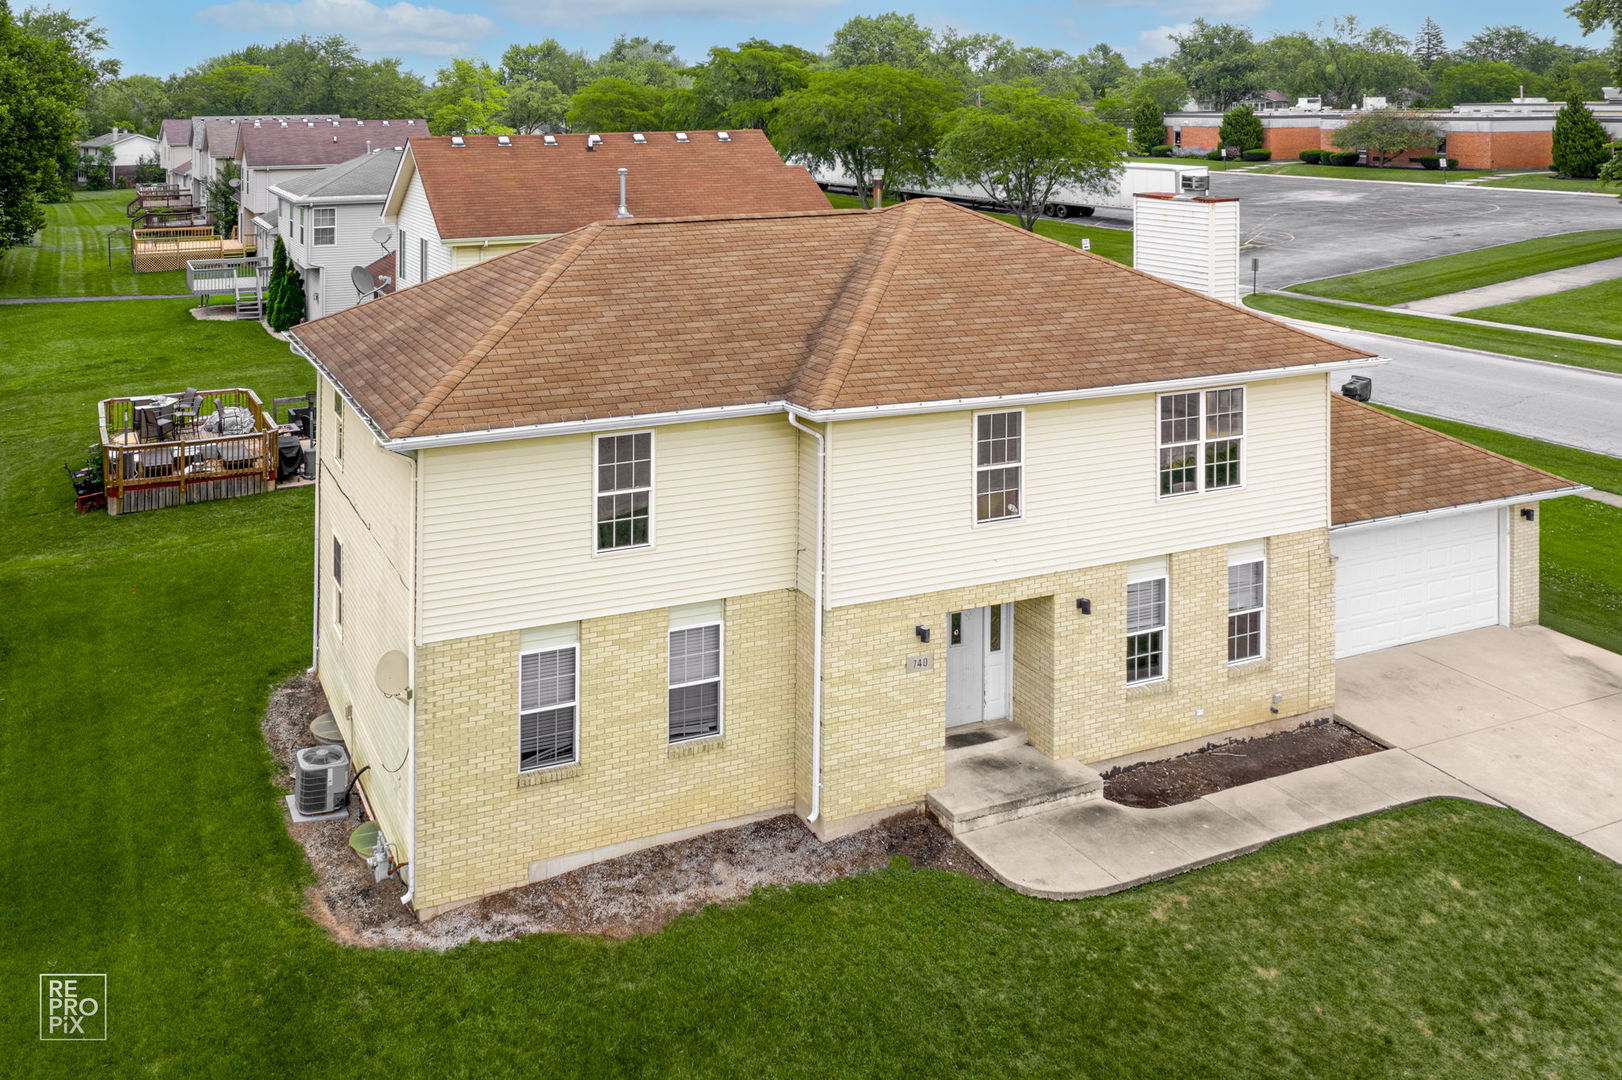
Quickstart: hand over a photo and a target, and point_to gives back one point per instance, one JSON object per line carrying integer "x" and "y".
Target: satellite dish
{"x": 382, "y": 234}
{"x": 364, "y": 281}
{"x": 393, "y": 675}
{"x": 236, "y": 181}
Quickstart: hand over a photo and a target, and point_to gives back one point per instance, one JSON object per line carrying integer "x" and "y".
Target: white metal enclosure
{"x": 1416, "y": 579}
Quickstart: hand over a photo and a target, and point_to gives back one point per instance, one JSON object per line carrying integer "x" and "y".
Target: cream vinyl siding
{"x": 465, "y": 255}
{"x": 417, "y": 219}
{"x": 367, "y": 503}
{"x": 806, "y": 574}
{"x": 508, "y": 533}
{"x": 902, "y": 510}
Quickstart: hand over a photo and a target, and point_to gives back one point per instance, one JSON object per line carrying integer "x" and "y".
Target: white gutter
{"x": 322, "y": 199}
{"x": 1485, "y": 504}
{"x": 469, "y": 241}
{"x": 722, "y": 412}
{"x": 816, "y": 620}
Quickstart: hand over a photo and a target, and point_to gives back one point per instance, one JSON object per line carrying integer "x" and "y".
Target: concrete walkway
{"x": 1507, "y": 292}
{"x": 1526, "y": 718}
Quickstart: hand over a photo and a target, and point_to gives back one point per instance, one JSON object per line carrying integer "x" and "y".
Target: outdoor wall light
{"x": 1528, "y": 513}
{"x": 923, "y": 633}
{"x": 1084, "y": 606}
{"x": 1273, "y": 708}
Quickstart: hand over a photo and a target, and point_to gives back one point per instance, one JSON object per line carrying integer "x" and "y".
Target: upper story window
{"x": 549, "y": 697}
{"x": 301, "y": 221}
{"x": 999, "y": 451}
{"x": 400, "y": 259}
{"x": 422, "y": 259}
{"x": 326, "y": 226}
{"x": 695, "y": 672}
{"x": 337, "y": 427}
{"x": 1201, "y": 440}
{"x": 1247, "y": 603}
{"x": 337, "y": 584}
{"x": 624, "y": 491}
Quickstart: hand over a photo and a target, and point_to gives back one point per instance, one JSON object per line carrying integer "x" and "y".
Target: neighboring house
{"x": 681, "y": 523}
{"x": 129, "y": 147}
{"x": 214, "y": 139}
{"x": 271, "y": 152}
{"x": 459, "y": 201}
{"x": 329, "y": 220}
{"x": 174, "y": 151}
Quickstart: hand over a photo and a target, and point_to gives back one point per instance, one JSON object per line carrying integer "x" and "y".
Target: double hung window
{"x": 1201, "y": 440}
{"x": 624, "y": 491}
{"x": 695, "y": 672}
{"x": 999, "y": 451}
{"x": 1147, "y": 622}
{"x": 1247, "y": 604}
{"x": 549, "y": 699}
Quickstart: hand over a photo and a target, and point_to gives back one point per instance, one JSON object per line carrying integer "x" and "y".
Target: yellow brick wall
{"x": 1524, "y": 569}
{"x": 883, "y": 725}
{"x": 480, "y": 823}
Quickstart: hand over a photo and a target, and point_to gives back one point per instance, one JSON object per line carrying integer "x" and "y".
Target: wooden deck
{"x": 172, "y": 248}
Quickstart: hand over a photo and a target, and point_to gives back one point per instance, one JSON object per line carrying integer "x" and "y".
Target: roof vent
{"x": 724, "y": 136}
{"x": 549, "y": 140}
{"x": 458, "y": 142}
{"x": 639, "y": 138}
{"x": 385, "y": 123}
{"x": 335, "y": 138}
{"x": 681, "y": 136}
{"x": 409, "y": 123}
{"x": 593, "y": 140}
{"x": 256, "y": 123}
{"x": 504, "y": 140}
{"x": 335, "y": 123}
{"x": 360, "y": 123}
{"x": 284, "y": 123}
{"x": 624, "y": 211}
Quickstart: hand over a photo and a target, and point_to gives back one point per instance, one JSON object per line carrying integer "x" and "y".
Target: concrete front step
{"x": 986, "y": 787}
{"x": 983, "y": 738}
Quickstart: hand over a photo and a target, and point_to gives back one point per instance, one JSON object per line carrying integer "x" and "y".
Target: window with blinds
{"x": 548, "y": 708}
{"x": 1247, "y": 610}
{"x": 695, "y": 682}
{"x": 1146, "y": 630}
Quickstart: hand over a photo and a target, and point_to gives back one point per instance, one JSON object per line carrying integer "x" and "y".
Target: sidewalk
{"x": 1524, "y": 717}
{"x": 1507, "y": 292}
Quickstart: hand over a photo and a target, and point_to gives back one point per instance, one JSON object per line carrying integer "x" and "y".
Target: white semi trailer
{"x": 1133, "y": 178}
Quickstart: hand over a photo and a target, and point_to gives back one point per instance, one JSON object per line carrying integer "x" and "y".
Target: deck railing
{"x": 152, "y": 458}
{"x": 171, "y": 248}
{"x": 220, "y": 277}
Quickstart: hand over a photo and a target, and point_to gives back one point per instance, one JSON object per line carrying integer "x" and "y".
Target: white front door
{"x": 1416, "y": 579}
{"x": 979, "y": 664}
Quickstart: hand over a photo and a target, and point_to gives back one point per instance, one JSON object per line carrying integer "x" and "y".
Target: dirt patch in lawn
{"x": 1152, "y": 784}
{"x": 635, "y": 894}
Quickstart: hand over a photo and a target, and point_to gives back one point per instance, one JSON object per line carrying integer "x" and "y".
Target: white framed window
{"x": 337, "y": 585}
{"x": 1201, "y": 440}
{"x": 695, "y": 703}
{"x": 999, "y": 454}
{"x": 337, "y": 427}
{"x": 301, "y": 220}
{"x": 400, "y": 258}
{"x": 549, "y": 697}
{"x": 326, "y": 226}
{"x": 1247, "y": 603}
{"x": 1147, "y": 621}
{"x": 624, "y": 494}
{"x": 422, "y": 259}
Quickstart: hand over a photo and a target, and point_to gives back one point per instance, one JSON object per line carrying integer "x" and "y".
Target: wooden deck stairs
{"x": 250, "y": 301}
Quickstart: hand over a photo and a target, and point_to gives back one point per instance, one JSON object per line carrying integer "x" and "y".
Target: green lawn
{"x": 1469, "y": 270}
{"x": 69, "y": 256}
{"x": 1581, "y": 576}
{"x": 1546, "y": 182}
{"x": 1590, "y": 354}
{"x": 1364, "y": 172}
{"x": 1113, "y": 244}
{"x": 144, "y": 840}
{"x": 1589, "y": 309}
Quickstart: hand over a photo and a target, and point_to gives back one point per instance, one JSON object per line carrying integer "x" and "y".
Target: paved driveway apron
{"x": 1527, "y": 716}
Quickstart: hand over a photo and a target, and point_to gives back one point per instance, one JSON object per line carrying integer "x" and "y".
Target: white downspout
{"x": 816, "y": 624}
{"x": 315, "y": 602}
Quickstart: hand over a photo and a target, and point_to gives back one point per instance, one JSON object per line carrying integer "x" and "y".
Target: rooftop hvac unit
{"x": 1196, "y": 183}
{"x": 320, "y": 779}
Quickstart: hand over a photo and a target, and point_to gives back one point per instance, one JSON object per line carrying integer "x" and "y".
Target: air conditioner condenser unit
{"x": 321, "y": 779}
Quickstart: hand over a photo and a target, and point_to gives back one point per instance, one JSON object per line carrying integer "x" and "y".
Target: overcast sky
{"x": 160, "y": 40}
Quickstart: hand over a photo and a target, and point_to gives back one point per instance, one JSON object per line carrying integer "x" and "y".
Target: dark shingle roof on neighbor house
{"x": 921, "y": 302}
{"x": 177, "y": 132}
{"x": 319, "y": 142}
{"x": 1385, "y": 467}
{"x": 528, "y": 188}
{"x": 367, "y": 175}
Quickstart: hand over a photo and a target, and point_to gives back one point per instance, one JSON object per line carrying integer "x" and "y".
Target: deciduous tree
{"x": 1020, "y": 146}
{"x": 1220, "y": 62}
{"x": 1386, "y": 133}
{"x": 615, "y": 104}
{"x": 467, "y": 99}
{"x": 868, "y": 121}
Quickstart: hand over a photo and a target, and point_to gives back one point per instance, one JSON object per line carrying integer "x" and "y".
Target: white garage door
{"x": 1415, "y": 579}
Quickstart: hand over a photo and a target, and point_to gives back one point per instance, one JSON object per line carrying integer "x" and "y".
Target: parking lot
{"x": 1303, "y": 229}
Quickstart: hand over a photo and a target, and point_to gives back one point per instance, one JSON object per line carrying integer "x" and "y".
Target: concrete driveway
{"x": 1526, "y": 716}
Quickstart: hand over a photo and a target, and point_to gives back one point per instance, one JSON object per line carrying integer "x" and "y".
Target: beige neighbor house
{"x": 682, "y": 523}
{"x": 458, "y": 201}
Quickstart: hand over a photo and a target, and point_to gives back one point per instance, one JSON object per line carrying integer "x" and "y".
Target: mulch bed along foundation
{"x": 635, "y": 894}
{"x": 1170, "y": 781}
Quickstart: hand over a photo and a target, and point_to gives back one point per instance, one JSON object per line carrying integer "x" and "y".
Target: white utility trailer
{"x": 1134, "y": 177}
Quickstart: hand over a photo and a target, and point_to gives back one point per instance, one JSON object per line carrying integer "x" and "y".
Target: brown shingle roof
{"x": 176, "y": 132}
{"x": 924, "y": 301}
{"x": 1384, "y": 466}
{"x": 321, "y": 142}
{"x": 530, "y": 189}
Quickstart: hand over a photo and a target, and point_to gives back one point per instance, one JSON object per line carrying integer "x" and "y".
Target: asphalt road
{"x": 1303, "y": 229}
{"x": 1563, "y": 404}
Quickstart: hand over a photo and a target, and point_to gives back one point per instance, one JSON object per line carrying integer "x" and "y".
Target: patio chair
{"x": 187, "y": 408}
